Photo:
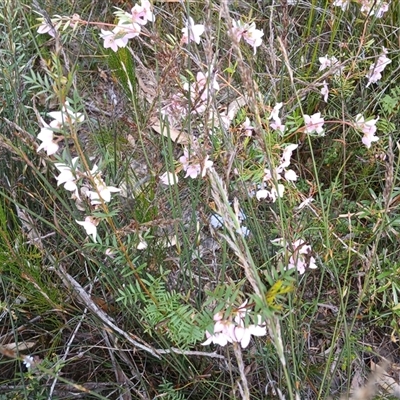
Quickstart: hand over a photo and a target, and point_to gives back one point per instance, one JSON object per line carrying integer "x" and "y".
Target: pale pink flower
{"x": 192, "y": 32}
{"x": 238, "y": 30}
{"x": 248, "y": 32}
{"x": 314, "y": 123}
{"x": 376, "y": 7}
{"x": 368, "y": 128}
{"x": 369, "y": 139}
{"x": 301, "y": 257}
{"x": 330, "y": 62}
{"x": 201, "y": 90}
{"x": 207, "y": 164}
{"x": 46, "y": 27}
{"x": 90, "y": 226}
{"x": 383, "y": 7}
{"x": 327, "y": 62}
{"x": 277, "y": 123}
{"x": 141, "y": 14}
{"x": 275, "y": 111}
{"x": 194, "y": 168}
{"x": 124, "y": 32}
{"x": 374, "y": 73}
{"x": 247, "y": 127}
{"x": 253, "y": 36}
{"x": 325, "y": 91}
{"x": 119, "y": 36}
{"x": 205, "y": 85}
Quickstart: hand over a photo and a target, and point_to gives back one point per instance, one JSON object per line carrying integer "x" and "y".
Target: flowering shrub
{"x": 229, "y": 142}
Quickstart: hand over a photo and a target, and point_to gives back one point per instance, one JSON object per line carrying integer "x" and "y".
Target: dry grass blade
{"x": 84, "y": 297}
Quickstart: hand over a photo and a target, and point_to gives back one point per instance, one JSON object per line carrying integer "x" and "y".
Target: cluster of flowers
{"x": 94, "y": 189}
{"x": 248, "y": 32}
{"x": 232, "y": 329}
{"x": 217, "y": 222}
{"x": 276, "y": 123}
{"x": 196, "y": 98}
{"x": 368, "y": 128}
{"x": 369, "y": 7}
{"x": 129, "y": 25}
{"x": 61, "y": 119}
{"x": 191, "y": 163}
{"x": 375, "y": 70}
{"x": 330, "y": 62}
{"x": 193, "y": 166}
{"x": 272, "y": 177}
{"x": 300, "y": 255}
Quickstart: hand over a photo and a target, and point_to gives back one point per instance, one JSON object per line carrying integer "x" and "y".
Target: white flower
{"x": 28, "y": 361}
{"x": 48, "y": 144}
{"x": 277, "y": 192}
{"x": 275, "y": 111}
{"x": 301, "y": 257}
{"x": 247, "y": 127}
{"x": 343, "y": 4}
{"x": 192, "y": 32}
{"x": 287, "y": 154}
{"x": 305, "y": 203}
{"x": 169, "y": 178}
{"x": 67, "y": 177}
{"x": 90, "y": 226}
{"x": 290, "y": 175}
{"x": 66, "y": 116}
{"x": 142, "y": 244}
{"x": 228, "y": 331}
{"x": 102, "y": 191}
